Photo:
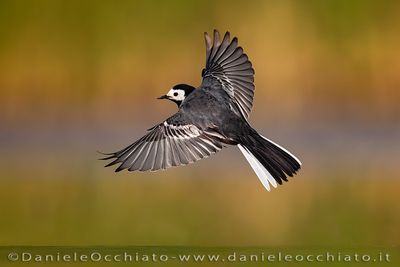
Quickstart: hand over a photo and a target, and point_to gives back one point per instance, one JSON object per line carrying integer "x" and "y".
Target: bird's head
{"x": 178, "y": 93}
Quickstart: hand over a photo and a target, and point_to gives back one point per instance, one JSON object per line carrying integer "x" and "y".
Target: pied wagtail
{"x": 210, "y": 117}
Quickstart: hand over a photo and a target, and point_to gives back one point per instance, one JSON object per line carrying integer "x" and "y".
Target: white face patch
{"x": 176, "y": 94}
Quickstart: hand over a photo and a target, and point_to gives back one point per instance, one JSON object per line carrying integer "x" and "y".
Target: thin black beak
{"x": 163, "y": 97}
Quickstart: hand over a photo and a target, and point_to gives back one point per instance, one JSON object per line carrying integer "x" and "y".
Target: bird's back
{"x": 211, "y": 107}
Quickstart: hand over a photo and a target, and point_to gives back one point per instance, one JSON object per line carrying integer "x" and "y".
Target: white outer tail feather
{"x": 262, "y": 173}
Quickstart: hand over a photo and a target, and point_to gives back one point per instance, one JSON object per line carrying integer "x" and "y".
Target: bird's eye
{"x": 175, "y": 94}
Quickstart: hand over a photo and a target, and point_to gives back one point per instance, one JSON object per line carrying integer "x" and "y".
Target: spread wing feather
{"x": 230, "y": 66}
{"x": 165, "y": 145}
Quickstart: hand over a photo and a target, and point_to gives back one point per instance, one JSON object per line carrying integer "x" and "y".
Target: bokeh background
{"x": 77, "y": 77}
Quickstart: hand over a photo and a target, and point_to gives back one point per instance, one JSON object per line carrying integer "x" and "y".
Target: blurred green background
{"x": 81, "y": 76}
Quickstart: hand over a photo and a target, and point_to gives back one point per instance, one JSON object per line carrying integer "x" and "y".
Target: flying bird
{"x": 210, "y": 117}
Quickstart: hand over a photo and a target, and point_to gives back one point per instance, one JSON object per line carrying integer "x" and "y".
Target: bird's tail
{"x": 271, "y": 162}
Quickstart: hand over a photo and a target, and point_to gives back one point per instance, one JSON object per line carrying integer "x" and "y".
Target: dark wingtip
{"x": 108, "y": 155}
{"x": 107, "y": 158}
{"x": 216, "y": 41}
{"x": 119, "y": 169}
{"x": 227, "y": 35}
{"x": 110, "y": 164}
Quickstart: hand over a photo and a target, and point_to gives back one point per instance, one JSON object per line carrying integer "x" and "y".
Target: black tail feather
{"x": 278, "y": 162}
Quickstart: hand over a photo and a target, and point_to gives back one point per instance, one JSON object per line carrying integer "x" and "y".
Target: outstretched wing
{"x": 229, "y": 65}
{"x": 166, "y": 145}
